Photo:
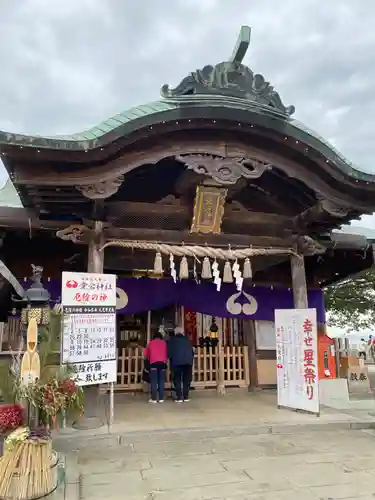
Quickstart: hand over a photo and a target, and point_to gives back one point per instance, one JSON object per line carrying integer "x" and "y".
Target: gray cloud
{"x": 67, "y": 65}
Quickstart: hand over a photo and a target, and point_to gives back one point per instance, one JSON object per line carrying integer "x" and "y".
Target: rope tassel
{"x": 247, "y": 270}
{"x": 227, "y": 275}
{"x": 206, "y": 269}
{"x": 158, "y": 264}
{"x": 184, "y": 269}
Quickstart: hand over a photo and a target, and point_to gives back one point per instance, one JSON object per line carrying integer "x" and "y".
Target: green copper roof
{"x": 9, "y": 197}
{"x": 183, "y": 108}
{"x": 227, "y": 91}
{"x": 116, "y": 121}
{"x": 94, "y": 137}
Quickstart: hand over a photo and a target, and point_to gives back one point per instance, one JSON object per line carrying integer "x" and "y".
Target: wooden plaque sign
{"x": 208, "y": 209}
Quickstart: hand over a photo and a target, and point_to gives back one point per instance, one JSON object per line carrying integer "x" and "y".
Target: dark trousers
{"x": 157, "y": 380}
{"x": 182, "y": 376}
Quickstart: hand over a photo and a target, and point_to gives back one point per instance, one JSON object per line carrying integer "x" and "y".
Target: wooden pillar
{"x": 90, "y": 419}
{"x": 96, "y": 258}
{"x": 148, "y": 326}
{"x": 249, "y": 334}
{"x": 220, "y": 386}
{"x": 297, "y": 264}
{"x": 182, "y": 316}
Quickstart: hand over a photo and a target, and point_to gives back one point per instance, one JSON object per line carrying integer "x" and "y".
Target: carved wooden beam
{"x": 175, "y": 237}
{"x": 307, "y": 246}
{"x": 179, "y": 147}
{"x": 236, "y": 212}
{"x": 119, "y": 208}
{"x": 77, "y": 233}
{"x": 319, "y": 212}
{"x": 233, "y": 211}
{"x": 224, "y": 170}
{"x": 101, "y": 189}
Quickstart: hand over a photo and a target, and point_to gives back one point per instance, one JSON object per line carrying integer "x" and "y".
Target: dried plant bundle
{"x": 28, "y": 471}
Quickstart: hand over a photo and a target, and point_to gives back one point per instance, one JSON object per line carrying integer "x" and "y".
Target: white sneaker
{"x": 152, "y": 401}
{"x": 178, "y": 401}
{"x": 186, "y": 400}
{"x": 161, "y": 401}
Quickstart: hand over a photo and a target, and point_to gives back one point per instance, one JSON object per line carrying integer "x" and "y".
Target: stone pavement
{"x": 238, "y": 407}
{"x": 227, "y": 464}
{"x": 237, "y": 447}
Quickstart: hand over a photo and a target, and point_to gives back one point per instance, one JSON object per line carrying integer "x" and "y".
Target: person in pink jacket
{"x": 156, "y": 353}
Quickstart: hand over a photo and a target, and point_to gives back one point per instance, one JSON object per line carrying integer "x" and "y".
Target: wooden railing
{"x": 205, "y": 368}
{"x": 10, "y": 335}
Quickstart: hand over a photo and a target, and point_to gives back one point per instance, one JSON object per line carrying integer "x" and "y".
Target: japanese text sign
{"x": 89, "y": 326}
{"x": 95, "y": 373}
{"x": 297, "y": 359}
{"x": 88, "y": 289}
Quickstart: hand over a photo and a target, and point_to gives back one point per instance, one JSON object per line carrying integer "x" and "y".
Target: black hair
{"x": 157, "y": 335}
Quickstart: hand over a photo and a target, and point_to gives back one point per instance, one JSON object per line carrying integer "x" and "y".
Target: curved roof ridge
{"x": 89, "y": 135}
{"x": 180, "y": 108}
{"x": 324, "y": 141}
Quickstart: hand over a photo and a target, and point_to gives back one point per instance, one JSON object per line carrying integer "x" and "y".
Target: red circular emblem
{"x": 71, "y": 284}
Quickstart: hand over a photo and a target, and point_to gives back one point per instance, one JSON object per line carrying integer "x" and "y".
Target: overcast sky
{"x": 68, "y": 64}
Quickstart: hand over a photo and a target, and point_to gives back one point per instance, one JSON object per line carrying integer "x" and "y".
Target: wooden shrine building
{"x": 214, "y": 174}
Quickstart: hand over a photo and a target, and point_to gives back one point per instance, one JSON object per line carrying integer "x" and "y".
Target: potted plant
{"x": 57, "y": 398}
{"x": 28, "y": 465}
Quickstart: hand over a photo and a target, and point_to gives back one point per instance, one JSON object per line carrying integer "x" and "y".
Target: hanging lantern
{"x": 206, "y": 269}
{"x": 247, "y": 271}
{"x": 227, "y": 275}
{"x": 158, "y": 264}
{"x": 184, "y": 269}
{"x": 39, "y": 313}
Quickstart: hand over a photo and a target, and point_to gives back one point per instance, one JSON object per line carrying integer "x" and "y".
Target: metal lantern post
{"x": 36, "y": 300}
{"x": 35, "y": 313}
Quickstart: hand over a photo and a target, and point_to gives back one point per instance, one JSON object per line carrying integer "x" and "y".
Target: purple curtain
{"x": 259, "y": 303}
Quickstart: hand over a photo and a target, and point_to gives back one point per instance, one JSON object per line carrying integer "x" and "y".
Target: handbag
{"x": 146, "y": 371}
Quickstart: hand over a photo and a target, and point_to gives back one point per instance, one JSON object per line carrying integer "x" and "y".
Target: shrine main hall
{"x": 213, "y": 205}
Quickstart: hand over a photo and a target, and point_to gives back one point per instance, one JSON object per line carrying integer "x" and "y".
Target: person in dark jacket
{"x": 181, "y": 355}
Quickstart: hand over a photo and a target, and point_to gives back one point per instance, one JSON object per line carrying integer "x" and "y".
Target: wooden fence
{"x": 10, "y": 335}
{"x": 205, "y": 369}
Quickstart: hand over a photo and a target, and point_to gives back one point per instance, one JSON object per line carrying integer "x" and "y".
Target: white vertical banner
{"x": 297, "y": 359}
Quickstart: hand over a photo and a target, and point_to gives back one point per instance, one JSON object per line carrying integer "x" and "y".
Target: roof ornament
{"x": 101, "y": 189}
{"x": 224, "y": 170}
{"x": 231, "y": 78}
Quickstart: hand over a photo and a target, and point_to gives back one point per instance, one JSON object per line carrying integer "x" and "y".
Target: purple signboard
{"x": 258, "y": 303}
